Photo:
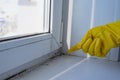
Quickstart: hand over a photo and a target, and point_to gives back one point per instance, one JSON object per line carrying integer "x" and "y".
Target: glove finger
{"x": 105, "y": 52}
{"x": 98, "y": 47}
{"x": 86, "y": 37}
{"x": 114, "y": 41}
{"x": 109, "y": 39}
{"x": 79, "y": 45}
{"x": 92, "y": 47}
{"x": 86, "y": 45}
{"x": 108, "y": 42}
{"x": 74, "y": 48}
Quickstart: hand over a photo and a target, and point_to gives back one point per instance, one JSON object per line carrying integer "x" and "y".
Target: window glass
{"x": 23, "y": 17}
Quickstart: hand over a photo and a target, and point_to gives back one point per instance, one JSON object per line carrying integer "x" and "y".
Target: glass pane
{"x": 23, "y": 17}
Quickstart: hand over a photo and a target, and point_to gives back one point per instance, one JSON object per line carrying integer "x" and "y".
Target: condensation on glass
{"x": 23, "y": 17}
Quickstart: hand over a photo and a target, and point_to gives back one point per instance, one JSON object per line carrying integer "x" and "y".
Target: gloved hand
{"x": 99, "y": 40}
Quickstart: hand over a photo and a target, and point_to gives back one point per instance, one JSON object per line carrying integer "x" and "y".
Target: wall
{"x": 81, "y": 21}
{"x": 90, "y": 13}
{"x": 117, "y": 14}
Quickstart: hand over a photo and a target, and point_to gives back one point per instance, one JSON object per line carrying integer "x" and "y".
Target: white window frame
{"x": 55, "y": 27}
{"x": 20, "y": 46}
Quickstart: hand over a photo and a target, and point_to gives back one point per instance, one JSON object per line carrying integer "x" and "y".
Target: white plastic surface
{"x": 74, "y": 68}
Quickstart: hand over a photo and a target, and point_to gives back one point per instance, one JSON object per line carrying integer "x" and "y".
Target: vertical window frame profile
{"x": 47, "y": 16}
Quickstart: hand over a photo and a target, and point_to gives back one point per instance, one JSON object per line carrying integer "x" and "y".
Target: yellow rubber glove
{"x": 99, "y": 40}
